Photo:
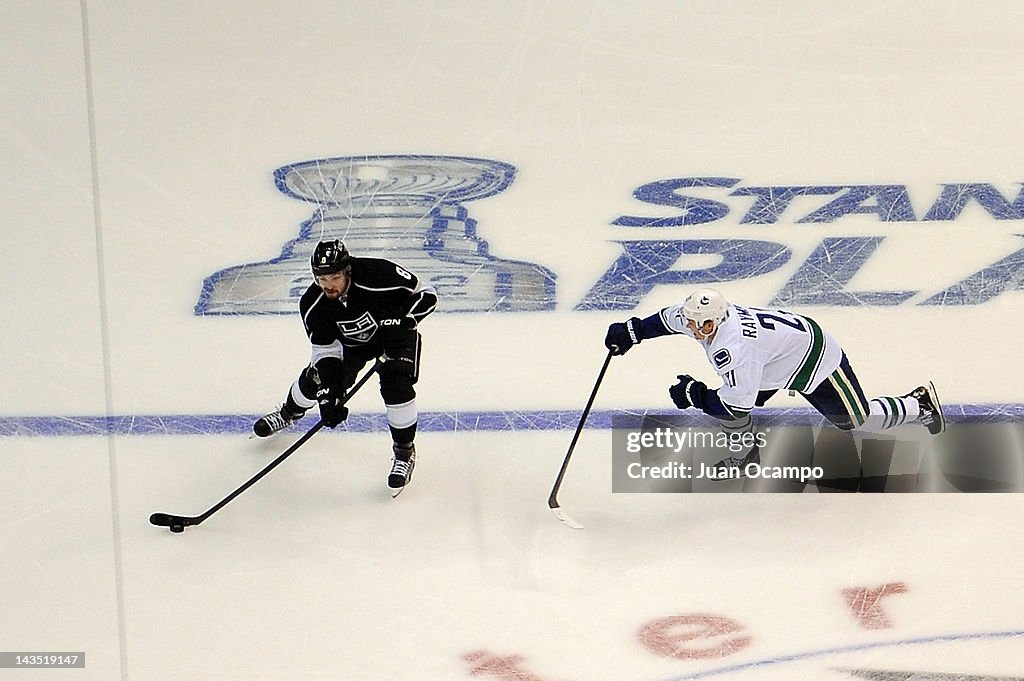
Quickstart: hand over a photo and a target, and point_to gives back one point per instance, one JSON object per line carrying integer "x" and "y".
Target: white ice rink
{"x": 861, "y": 161}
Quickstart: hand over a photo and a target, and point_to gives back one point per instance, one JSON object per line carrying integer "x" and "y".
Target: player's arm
{"x": 622, "y": 336}
{"x": 410, "y": 307}
{"x": 326, "y": 350}
{"x": 403, "y": 295}
{"x": 326, "y": 367}
{"x": 424, "y": 301}
{"x": 733, "y": 400}
{"x": 689, "y": 392}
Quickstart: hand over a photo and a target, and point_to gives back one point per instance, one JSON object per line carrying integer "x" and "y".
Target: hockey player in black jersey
{"x": 358, "y": 310}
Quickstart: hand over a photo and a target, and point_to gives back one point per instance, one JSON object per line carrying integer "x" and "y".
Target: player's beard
{"x": 334, "y": 293}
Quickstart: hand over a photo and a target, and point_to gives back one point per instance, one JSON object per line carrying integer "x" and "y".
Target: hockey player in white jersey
{"x": 757, "y": 352}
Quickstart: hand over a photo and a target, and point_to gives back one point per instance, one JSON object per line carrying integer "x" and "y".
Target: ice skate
{"x": 267, "y": 425}
{"x": 931, "y": 411}
{"x": 735, "y": 466}
{"x": 402, "y": 465}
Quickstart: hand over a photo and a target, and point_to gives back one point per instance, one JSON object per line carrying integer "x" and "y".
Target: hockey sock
{"x": 297, "y": 402}
{"x": 889, "y": 412}
{"x": 403, "y": 436}
{"x": 740, "y": 433}
{"x": 402, "y": 421}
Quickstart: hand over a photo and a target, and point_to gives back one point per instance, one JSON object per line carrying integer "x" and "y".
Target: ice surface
{"x": 140, "y": 162}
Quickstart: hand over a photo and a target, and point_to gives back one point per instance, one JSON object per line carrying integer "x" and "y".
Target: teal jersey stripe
{"x": 736, "y": 411}
{"x": 890, "y": 412}
{"x": 857, "y": 411}
{"x": 802, "y": 377}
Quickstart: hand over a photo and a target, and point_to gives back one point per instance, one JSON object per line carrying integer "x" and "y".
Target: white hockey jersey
{"x": 762, "y": 349}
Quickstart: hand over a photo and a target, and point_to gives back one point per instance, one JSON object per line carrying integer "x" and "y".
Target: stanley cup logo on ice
{"x": 406, "y": 208}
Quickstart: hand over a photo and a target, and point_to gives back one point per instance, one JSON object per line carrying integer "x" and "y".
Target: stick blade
{"x": 166, "y": 520}
{"x": 566, "y": 519}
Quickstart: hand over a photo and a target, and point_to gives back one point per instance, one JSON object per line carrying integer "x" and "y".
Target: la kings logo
{"x": 360, "y": 330}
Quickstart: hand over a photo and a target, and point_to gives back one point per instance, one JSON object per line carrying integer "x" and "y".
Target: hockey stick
{"x": 553, "y": 499}
{"x": 178, "y": 523}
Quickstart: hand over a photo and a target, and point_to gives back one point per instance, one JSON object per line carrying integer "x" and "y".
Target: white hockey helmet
{"x": 704, "y": 305}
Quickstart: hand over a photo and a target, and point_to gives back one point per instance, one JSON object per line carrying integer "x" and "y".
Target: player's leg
{"x": 302, "y": 396}
{"x": 398, "y": 376}
{"x": 841, "y": 400}
{"x": 742, "y": 443}
{"x": 299, "y": 399}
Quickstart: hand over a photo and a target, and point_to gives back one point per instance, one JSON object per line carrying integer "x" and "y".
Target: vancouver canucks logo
{"x": 410, "y": 209}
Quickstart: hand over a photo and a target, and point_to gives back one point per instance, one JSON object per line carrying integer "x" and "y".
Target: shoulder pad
{"x": 721, "y": 358}
{"x": 381, "y": 273}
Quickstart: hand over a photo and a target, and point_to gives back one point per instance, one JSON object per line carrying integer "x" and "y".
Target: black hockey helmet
{"x": 330, "y": 257}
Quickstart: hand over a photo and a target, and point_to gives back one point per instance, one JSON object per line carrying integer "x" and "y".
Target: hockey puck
{"x": 177, "y": 528}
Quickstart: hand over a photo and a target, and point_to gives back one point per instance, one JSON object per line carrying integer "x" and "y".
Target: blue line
{"x": 454, "y": 421}
{"x": 796, "y": 657}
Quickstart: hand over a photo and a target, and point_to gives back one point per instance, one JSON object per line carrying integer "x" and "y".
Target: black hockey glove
{"x": 685, "y": 393}
{"x": 395, "y": 325}
{"x": 622, "y": 336}
{"x": 332, "y": 411}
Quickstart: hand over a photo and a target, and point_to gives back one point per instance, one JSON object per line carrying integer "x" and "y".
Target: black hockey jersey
{"x": 380, "y": 291}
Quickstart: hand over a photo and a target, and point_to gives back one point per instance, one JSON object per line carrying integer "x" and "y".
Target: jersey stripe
{"x": 425, "y": 303}
{"x": 318, "y": 352}
{"x": 410, "y": 289}
{"x": 893, "y": 416}
{"x": 310, "y": 310}
{"x": 736, "y": 412}
{"x": 844, "y": 386}
{"x": 812, "y": 358}
{"x": 663, "y": 316}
